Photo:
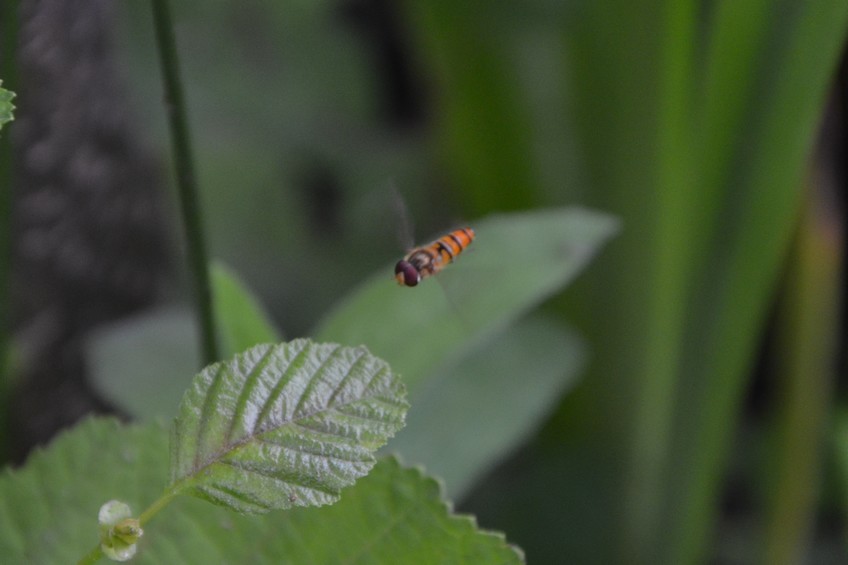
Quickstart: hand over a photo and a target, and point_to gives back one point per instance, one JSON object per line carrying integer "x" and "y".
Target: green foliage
{"x": 690, "y": 121}
{"x": 48, "y": 512}
{"x": 6, "y": 107}
{"x": 444, "y": 338}
{"x": 394, "y": 515}
{"x": 282, "y": 426}
{"x": 693, "y": 122}
{"x": 513, "y": 384}
{"x": 443, "y": 324}
{"x": 516, "y": 262}
{"x": 141, "y": 363}
{"x": 50, "y": 506}
{"x": 277, "y": 426}
{"x": 240, "y": 320}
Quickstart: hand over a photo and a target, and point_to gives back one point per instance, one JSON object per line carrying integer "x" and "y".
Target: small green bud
{"x": 119, "y": 532}
{"x": 128, "y": 530}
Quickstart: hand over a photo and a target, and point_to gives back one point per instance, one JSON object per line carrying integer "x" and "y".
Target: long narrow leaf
{"x": 739, "y": 277}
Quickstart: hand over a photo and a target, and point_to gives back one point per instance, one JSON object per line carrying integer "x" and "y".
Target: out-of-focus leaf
{"x": 467, "y": 418}
{"x": 284, "y": 425}
{"x": 516, "y": 261}
{"x": 241, "y": 321}
{"x": 485, "y": 134}
{"x": 144, "y": 364}
{"x": 49, "y": 509}
{"x": 749, "y": 240}
{"x": 807, "y": 343}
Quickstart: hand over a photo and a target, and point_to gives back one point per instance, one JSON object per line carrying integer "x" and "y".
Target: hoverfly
{"x": 429, "y": 259}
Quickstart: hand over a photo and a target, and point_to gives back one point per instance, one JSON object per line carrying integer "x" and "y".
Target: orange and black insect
{"x": 429, "y": 259}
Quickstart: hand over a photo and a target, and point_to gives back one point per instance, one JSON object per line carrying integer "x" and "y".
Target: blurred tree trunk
{"x": 88, "y": 238}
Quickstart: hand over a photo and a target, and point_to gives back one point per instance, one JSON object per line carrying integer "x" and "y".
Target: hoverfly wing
{"x": 404, "y": 221}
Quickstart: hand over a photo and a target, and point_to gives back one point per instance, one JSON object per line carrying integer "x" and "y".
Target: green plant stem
{"x": 92, "y": 556}
{"x": 157, "y": 505}
{"x": 186, "y": 183}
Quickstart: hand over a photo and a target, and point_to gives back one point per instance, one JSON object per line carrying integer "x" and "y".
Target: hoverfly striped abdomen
{"x": 429, "y": 259}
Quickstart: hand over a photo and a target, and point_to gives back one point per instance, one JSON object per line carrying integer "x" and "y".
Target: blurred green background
{"x": 693, "y": 123}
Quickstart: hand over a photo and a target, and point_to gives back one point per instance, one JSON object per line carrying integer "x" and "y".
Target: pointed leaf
{"x": 516, "y": 262}
{"x": 241, "y": 321}
{"x": 284, "y": 425}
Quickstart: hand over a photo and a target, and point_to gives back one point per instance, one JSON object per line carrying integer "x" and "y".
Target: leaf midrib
{"x": 218, "y": 456}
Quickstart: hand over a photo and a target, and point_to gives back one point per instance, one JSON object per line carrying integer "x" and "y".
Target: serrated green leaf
{"x": 516, "y": 261}
{"x": 241, "y": 321}
{"x": 394, "y": 515}
{"x": 49, "y": 508}
{"x": 6, "y": 106}
{"x": 284, "y": 425}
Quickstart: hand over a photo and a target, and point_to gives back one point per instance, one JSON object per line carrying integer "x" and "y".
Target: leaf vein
{"x": 208, "y": 409}
{"x": 352, "y": 370}
{"x": 366, "y": 455}
{"x": 268, "y": 474}
{"x": 247, "y": 389}
{"x": 367, "y": 418}
{"x": 285, "y": 378}
{"x": 322, "y": 432}
{"x": 314, "y": 379}
{"x": 240, "y": 495}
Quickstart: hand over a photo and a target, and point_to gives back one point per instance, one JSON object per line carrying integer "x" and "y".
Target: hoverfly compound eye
{"x": 406, "y": 274}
